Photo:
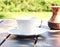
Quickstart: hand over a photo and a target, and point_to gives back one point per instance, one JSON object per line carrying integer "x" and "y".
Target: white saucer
{"x": 35, "y": 32}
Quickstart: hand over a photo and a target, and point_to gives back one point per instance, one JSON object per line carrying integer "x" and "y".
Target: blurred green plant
{"x": 27, "y": 5}
{"x": 1, "y": 16}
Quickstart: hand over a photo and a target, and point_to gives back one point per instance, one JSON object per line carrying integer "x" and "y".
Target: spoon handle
{"x": 40, "y": 24}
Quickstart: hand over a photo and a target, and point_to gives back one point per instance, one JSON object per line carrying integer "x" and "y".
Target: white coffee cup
{"x": 27, "y": 24}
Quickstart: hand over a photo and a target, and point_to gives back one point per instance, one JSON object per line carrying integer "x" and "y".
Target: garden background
{"x": 12, "y": 9}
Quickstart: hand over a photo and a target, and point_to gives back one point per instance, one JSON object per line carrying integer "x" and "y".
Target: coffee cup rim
{"x": 24, "y": 18}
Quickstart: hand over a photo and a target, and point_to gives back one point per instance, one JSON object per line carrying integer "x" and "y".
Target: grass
{"x": 14, "y": 15}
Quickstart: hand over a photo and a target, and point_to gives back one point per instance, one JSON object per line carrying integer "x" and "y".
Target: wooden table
{"x": 48, "y": 40}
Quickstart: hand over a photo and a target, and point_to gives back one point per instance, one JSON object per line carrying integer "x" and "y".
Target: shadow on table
{"x": 26, "y": 37}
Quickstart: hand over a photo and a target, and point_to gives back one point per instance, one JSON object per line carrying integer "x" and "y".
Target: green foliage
{"x": 1, "y": 16}
{"x": 27, "y": 5}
